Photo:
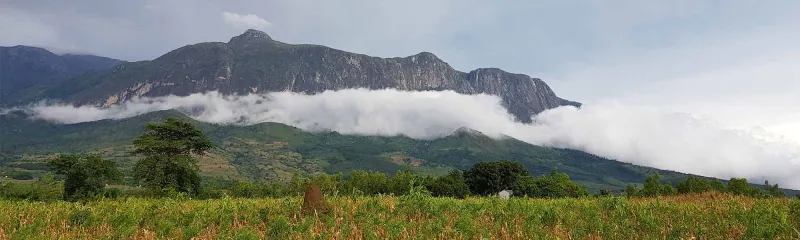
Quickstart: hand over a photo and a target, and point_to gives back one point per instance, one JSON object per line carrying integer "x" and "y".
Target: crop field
{"x": 701, "y": 216}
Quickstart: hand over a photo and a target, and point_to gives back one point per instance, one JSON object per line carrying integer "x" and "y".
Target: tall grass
{"x": 704, "y": 216}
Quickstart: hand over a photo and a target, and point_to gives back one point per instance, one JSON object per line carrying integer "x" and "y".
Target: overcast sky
{"x": 736, "y": 62}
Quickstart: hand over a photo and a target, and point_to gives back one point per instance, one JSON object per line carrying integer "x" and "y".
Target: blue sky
{"x": 734, "y": 62}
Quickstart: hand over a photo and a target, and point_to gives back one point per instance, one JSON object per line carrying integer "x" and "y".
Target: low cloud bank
{"x": 642, "y": 136}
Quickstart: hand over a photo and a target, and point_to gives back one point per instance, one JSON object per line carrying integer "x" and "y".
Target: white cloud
{"x": 640, "y": 135}
{"x": 245, "y": 21}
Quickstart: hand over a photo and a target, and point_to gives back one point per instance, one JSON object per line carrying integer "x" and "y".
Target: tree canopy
{"x": 168, "y": 150}
{"x": 486, "y": 178}
{"x": 86, "y": 175}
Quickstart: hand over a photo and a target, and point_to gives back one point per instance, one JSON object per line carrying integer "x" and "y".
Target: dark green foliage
{"x": 403, "y": 181}
{"x": 667, "y": 189}
{"x": 527, "y": 186}
{"x": 631, "y": 191}
{"x": 604, "y": 192}
{"x": 450, "y": 185}
{"x": 86, "y": 175}
{"x": 559, "y": 185}
{"x": 739, "y": 186}
{"x": 487, "y": 178}
{"x": 697, "y": 185}
{"x": 80, "y": 217}
{"x": 21, "y": 175}
{"x": 367, "y": 182}
{"x": 168, "y": 162}
{"x": 717, "y": 185}
{"x": 329, "y": 184}
{"x": 772, "y": 190}
{"x": 173, "y": 137}
{"x": 652, "y": 186}
{"x": 165, "y": 172}
{"x": 556, "y": 185}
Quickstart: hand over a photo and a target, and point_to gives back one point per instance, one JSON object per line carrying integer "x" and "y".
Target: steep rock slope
{"x": 24, "y": 67}
{"x": 255, "y": 63}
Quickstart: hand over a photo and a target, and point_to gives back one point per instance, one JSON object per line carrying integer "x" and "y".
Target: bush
{"x": 450, "y": 185}
{"x": 86, "y": 175}
{"x": 79, "y": 217}
{"x": 402, "y": 182}
{"x": 367, "y": 182}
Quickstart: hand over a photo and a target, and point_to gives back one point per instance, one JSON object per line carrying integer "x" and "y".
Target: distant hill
{"x": 273, "y": 150}
{"x": 24, "y": 67}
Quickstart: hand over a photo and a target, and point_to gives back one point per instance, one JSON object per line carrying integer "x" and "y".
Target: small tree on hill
{"x": 86, "y": 175}
{"x": 168, "y": 150}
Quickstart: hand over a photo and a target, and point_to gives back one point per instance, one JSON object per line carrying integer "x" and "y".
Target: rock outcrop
{"x": 255, "y": 63}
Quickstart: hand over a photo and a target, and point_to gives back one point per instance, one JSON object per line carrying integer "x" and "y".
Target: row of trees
{"x": 168, "y": 164}
{"x": 486, "y": 178}
{"x": 737, "y": 186}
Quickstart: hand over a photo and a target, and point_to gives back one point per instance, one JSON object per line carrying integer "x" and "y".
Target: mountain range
{"x": 23, "y": 68}
{"x": 255, "y": 63}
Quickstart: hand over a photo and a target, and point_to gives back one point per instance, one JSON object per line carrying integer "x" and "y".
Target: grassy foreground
{"x": 706, "y": 216}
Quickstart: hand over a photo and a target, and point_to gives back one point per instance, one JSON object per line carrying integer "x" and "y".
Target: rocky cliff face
{"x": 23, "y": 67}
{"x": 255, "y": 63}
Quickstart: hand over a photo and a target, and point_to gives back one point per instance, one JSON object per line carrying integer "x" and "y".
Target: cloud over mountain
{"x": 245, "y": 21}
{"x": 637, "y": 135}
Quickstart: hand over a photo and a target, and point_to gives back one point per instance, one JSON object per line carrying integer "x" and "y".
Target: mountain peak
{"x": 251, "y": 35}
{"x": 467, "y": 131}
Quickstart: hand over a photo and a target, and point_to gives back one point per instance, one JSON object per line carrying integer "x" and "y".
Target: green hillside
{"x": 273, "y": 150}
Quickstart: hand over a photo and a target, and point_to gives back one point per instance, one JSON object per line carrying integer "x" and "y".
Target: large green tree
{"x": 86, "y": 175}
{"x": 739, "y": 186}
{"x": 652, "y": 186}
{"x": 486, "y": 178}
{"x": 168, "y": 149}
{"x": 450, "y": 185}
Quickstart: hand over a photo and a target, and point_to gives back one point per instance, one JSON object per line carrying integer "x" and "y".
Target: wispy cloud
{"x": 245, "y": 21}
{"x": 639, "y": 135}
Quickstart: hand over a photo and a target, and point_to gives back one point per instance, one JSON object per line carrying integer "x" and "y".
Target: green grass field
{"x": 705, "y": 216}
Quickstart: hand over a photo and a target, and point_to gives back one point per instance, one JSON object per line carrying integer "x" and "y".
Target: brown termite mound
{"x": 313, "y": 202}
